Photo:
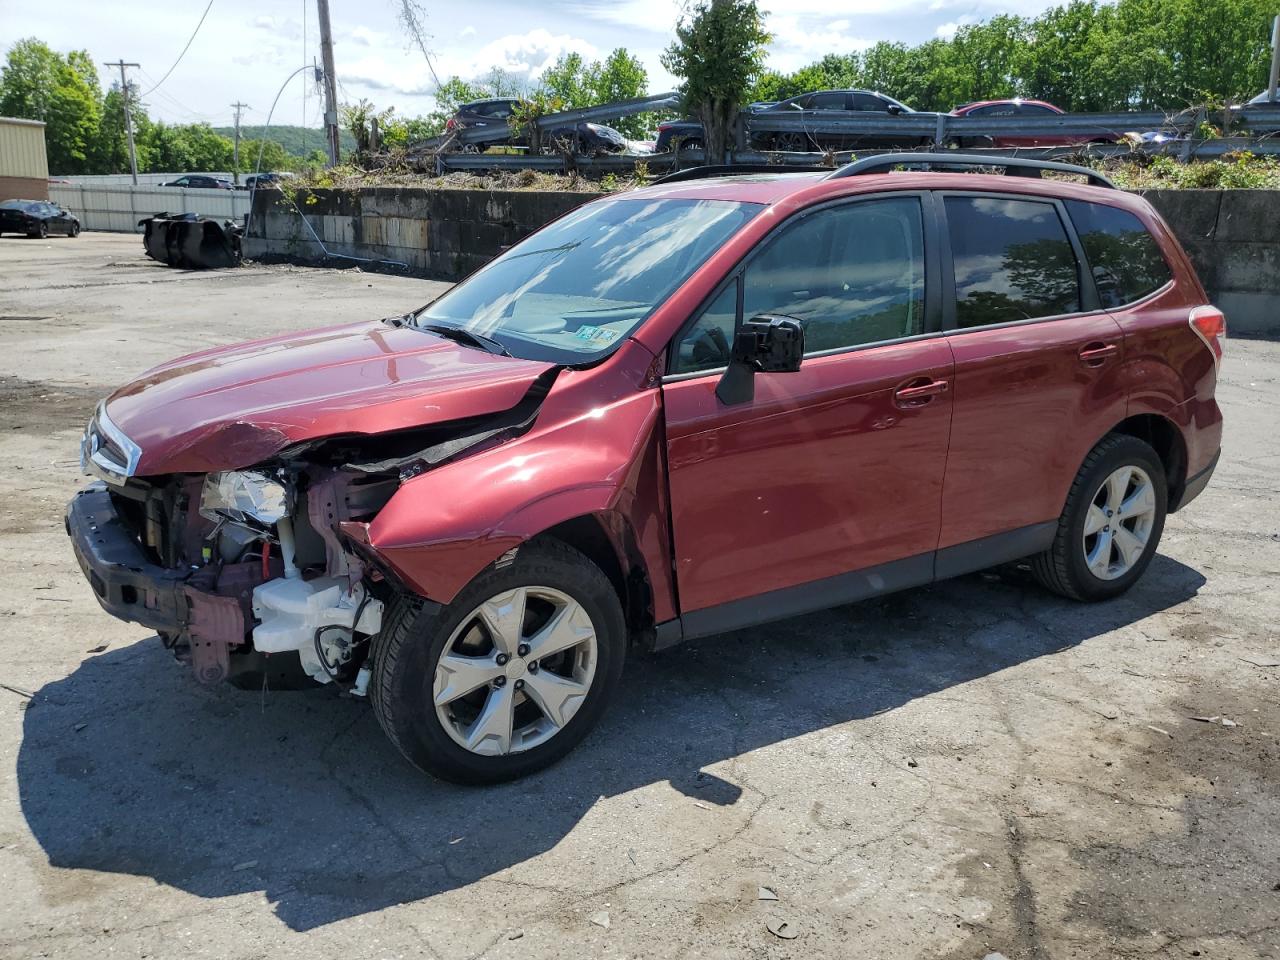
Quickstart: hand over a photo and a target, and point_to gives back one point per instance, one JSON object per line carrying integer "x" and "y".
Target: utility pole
{"x": 330, "y": 82}
{"x": 128, "y": 115}
{"x": 235, "y": 153}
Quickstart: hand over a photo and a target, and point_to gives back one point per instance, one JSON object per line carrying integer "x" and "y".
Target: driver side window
{"x": 852, "y": 274}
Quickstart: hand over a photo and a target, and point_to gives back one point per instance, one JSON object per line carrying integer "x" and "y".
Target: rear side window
{"x": 1125, "y": 259}
{"x": 827, "y": 101}
{"x": 1012, "y": 261}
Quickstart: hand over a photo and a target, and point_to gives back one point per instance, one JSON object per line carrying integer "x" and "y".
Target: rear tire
{"x": 1111, "y": 524}
{"x": 446, "y": 734}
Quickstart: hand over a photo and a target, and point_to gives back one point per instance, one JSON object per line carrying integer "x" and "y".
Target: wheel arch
{"x": 608, "y": 540}
{"x": 1163, "y": 436}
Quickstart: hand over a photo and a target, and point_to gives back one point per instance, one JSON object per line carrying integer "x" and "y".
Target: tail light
{"x": 1210, "y": 325}
{"x": 450, "y": 124}
{"x": 665, "y": 126}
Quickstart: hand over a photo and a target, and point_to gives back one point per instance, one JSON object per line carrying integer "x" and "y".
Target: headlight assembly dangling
{"x": 252, "y": 499}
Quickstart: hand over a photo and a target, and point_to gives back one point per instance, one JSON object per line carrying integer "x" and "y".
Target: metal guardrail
{"x": 659, "y": 163}
{"x": 935, "y": 129}
{"x": 609, "y": 111}
{"x": 941, "y": 127}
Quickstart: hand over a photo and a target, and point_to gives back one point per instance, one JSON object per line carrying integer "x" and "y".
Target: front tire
{"x": 1111, "y": 524}
{"x": 509, "y": 677}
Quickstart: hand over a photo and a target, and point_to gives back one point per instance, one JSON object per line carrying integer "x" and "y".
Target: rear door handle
{"x": 1096, "y": 354}
{"x": 917, "y": 392}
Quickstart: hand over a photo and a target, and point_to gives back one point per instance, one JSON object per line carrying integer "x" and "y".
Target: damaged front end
{"x": 236, "y": 567}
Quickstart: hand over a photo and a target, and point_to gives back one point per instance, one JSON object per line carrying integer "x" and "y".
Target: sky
{"x": 246, "y": 49}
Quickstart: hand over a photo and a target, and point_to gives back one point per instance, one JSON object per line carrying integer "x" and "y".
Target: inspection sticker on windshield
{"x": 596, "y": 334}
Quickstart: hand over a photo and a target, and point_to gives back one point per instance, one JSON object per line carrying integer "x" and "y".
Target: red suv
{"x": 673, "y": 412}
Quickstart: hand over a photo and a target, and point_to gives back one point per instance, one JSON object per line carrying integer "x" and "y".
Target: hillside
{"x": 298, "y": 141}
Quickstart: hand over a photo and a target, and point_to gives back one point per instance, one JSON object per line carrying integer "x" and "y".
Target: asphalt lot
{"x": 972, "y": 767}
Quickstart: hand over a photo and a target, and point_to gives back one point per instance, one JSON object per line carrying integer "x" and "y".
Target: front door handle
{"x": 918, "y": 392}
{"x": 1098, "y": 353}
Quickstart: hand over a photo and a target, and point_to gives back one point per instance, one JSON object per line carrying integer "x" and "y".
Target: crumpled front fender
{"x": 444, "y": 527}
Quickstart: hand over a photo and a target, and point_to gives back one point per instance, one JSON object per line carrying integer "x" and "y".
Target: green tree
{"x": 40, "y": 84}
{"x": 577, "y": 84}
{"x": 719, "y": 53}
{"x": 183, "y": 148}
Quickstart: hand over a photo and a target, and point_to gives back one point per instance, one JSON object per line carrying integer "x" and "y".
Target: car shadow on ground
{"x": 127, "y": 766}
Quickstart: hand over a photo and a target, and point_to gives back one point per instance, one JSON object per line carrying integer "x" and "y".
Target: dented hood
{"x": 234, "y": 406}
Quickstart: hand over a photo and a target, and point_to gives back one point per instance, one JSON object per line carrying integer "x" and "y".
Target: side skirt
{"x": 857, "y": 585}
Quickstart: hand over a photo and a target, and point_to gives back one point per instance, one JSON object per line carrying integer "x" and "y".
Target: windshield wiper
{"x": 463, "y": 335}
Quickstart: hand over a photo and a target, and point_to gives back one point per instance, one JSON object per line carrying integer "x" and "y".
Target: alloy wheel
{"x": 1119, "y": 522}
{"x": 515, "y": 671}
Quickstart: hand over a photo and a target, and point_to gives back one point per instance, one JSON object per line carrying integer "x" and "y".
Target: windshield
{"x": 574, "y": 290}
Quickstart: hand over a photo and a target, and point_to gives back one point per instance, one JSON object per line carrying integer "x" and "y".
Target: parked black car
{"x": 37, "y": 218}
{"x": 482, "y": 113}
{"x": 689, "y": 132}
{"x": 850, "y": 101}
{"x": 201, "y": 181}
{"x": 263, "y": 180}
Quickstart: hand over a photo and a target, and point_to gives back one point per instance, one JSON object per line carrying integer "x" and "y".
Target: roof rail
{"x": 1013, "y": 166}
{"x": 733, "y": 170}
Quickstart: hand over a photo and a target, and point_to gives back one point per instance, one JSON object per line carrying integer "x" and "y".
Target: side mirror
{"x": 894, "y": 109}
{"x": 768, "y": 344}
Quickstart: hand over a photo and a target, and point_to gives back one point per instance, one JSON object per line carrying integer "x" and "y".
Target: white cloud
{"x": 523, "y": 56}
{"x": 801, "y": 40}
{"x": 946, "y": 31}
{"x": 364, "y": 37}
{"x": 467, "y": 31}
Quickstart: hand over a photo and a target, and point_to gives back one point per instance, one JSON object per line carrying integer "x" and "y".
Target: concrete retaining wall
{"x": 1233, "y": 236}
{"x": 444, "y": 234}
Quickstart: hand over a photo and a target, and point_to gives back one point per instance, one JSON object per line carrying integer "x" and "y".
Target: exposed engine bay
{"x": 236, "y": 567}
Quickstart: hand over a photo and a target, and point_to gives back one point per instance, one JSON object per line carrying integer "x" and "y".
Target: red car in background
{"x": 674, "y": 412}
{"x": 1029, "y": 109}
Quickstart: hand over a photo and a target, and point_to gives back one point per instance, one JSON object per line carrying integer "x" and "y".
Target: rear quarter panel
{"x": 1168, "y": 370}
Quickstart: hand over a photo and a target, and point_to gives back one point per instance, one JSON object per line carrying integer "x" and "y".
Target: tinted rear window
{"x": 1012, "y": 260}
{"x": 1125, "y": 259}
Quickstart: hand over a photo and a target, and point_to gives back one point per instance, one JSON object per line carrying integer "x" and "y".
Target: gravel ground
{"x": 971, "y": 767}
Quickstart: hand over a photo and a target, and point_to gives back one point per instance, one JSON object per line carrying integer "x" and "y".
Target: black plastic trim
{"x": 1195, "y": 485}
{"x": 667, "y": 634}
{"x": 1013, "y": 166}
{"x": 998, "y": 548}
{"x": 808, "y": 597}
{"x": 858, "y": 584}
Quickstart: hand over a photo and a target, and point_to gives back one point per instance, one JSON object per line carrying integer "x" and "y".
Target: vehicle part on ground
{"x": 1111, "y": 524}
{"x": 508, "y": 678}
{"x": 191, "y": 242}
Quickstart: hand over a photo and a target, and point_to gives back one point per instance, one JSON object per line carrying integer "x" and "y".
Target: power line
{"x": 184, "y": 49}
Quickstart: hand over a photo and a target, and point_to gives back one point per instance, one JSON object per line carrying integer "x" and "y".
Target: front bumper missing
{"x": 132, "y": 588}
